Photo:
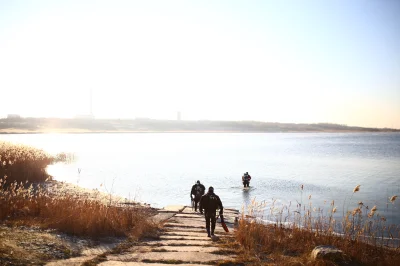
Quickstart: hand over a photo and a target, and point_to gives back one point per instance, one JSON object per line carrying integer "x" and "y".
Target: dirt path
{"x": 183, "y": 241}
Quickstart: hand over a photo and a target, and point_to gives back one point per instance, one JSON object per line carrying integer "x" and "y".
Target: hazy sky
{"x": 279, "y": 61}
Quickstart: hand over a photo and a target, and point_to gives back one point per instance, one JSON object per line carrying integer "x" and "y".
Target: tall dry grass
{"x": 290, "y": 236}
{"x": 23, "y": 201}
{"x": 24, "y": 163}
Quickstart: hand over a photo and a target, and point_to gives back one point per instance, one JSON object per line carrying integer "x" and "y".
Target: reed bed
{"x": 24, "y": 163}
{"x": 292, "y": 233}
{"x": 25, "y": 199}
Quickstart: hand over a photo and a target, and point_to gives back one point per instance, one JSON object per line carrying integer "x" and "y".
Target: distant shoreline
{"x": 186, "y": 132}
{"x": 83, "y": 126}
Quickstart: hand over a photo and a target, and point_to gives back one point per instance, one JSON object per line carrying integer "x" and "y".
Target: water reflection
{"x": 246, "y": 194}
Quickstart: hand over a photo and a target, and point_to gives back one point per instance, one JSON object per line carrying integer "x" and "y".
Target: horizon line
{"x": 90, "y": 117}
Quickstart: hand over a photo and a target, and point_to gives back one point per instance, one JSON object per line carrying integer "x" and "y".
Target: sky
{"x": 276, "y": 61}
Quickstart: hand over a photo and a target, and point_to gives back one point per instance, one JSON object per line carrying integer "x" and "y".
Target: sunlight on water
{"x": 161, "y": 168}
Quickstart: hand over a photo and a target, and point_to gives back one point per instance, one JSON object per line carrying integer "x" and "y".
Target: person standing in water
{"x": 246, "y": 179}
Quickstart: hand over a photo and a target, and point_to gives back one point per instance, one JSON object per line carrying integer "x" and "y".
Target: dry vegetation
{"x": 21, "y": 163}
{"x": 26, "y": 200}
{"x": 67, "y": 213}
{"x": 362, "y": 235}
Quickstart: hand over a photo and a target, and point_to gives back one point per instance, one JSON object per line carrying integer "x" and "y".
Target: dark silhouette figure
{"x": 210, "y": 202}
{"x": 197, "y": 191}
{"x": 246, "y": 179}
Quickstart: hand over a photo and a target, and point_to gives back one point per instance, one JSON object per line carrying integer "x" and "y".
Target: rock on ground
{"x": 327, "y": 253}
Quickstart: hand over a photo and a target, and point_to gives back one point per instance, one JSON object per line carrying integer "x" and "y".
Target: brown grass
{"x": 25, "y": 202}
{"x": 21, "y": 163}
{"x": 24, "y": 163}
{"x": 362, "y": 235}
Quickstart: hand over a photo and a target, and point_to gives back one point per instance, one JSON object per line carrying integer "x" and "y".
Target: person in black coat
{"x": 197, "y": 191}
{"x": 246, "y": 179}
{"x": 210, "y": 202}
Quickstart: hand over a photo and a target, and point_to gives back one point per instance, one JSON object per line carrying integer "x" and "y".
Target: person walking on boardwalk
{"x": 210, "y": 202}
{"x": 197, "y": 191}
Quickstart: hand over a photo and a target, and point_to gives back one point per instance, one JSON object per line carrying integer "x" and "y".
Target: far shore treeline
{"x": 82, "y": 125}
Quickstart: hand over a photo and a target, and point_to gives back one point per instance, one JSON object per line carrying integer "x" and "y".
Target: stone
{"x": 71, "y": 262}
{"x": 183, "y": 233}
{"x": 177, "y": 243}
{"x": 175, "y": 224}
{"x": 186, "y": 249}
{"x": 123, "y": 263}
{"x": 188, "y": 215}
{"x": 176, "y": 228}
{"x": 214, "y": 238}
{"x": 177, "y": 237}
{"x": 327, "y": 253}
{"x": 176, "y": 257}
{"x": 162, "y": 216}
{"x": 174, "y": 208}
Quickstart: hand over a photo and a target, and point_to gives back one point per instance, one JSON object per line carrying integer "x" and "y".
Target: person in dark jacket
{"x": 246, "y": 179}
{"x": 197, "y": 191}
{"x": 210, "y": 202}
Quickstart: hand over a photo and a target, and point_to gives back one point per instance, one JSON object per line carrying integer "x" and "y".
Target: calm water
{"x": 161, "y": 168}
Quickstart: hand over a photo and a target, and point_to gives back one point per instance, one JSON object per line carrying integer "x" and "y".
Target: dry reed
{"x": 290, "y": 236}
{"x": 24, "y": 163}
{"x": 26, "y": 201}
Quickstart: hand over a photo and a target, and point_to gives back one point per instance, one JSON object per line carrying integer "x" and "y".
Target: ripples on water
{"x": 161, "y": 168}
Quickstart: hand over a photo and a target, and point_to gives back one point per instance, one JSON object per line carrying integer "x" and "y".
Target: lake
{"x": 160, "y": 168}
